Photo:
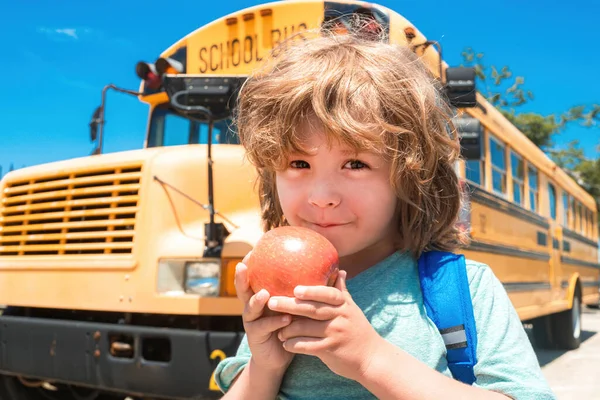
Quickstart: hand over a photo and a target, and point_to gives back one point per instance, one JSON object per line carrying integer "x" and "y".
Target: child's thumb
{"x": 340, "y": 282}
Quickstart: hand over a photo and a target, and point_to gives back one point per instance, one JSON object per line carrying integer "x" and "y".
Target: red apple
{"x": 289, "y": 256}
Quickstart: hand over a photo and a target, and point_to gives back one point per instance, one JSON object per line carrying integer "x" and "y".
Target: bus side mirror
{"x": 460, "y": 87}
{"x": 469, "y": 131}
{"x": 94, "y": 124}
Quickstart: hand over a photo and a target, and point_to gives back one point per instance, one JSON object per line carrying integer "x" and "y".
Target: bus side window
{"x": 589, "y": 224}
{"x": 582, "y": 218}
{"x": 552, "y": 200}
{"x": 518, "y": 176}
{"x": 533, "y": 187}
{"x": 583, "y": 221}
{"x": 573, "y": 225}
{"x": 474, "y": 171}
{"x": 565, "y": 209}
{"x": 577, "y": 217}
{"x": 497, "y": 151}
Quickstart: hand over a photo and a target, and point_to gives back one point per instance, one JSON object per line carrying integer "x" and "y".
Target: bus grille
{"x": 71, "y": 214}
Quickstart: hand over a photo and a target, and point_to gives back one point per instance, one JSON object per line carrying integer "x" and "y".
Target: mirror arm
{"x": 99, "y": 119}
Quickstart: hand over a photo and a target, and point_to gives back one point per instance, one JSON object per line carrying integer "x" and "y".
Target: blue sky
{"x": 59, "y": 55}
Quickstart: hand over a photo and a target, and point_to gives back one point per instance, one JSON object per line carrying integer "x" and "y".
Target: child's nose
{"x": 324, "y": 196}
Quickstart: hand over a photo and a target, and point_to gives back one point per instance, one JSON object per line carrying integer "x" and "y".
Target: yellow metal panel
{"x": 72, "y": 192}
{"x": 492, "y": 225}
{"x": 66, "y": 236}
{"x": 239, "y": 42}
{"x": 88, "y": 180}
{"x": 74, "y": 224}
{"x": 581, "y": 250}
{"x": 8, "y": 210}
{"x": 78, "y": 246}
{"x": 70, "y": 214}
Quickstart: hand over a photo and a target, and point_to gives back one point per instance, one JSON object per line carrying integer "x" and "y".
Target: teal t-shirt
{"x": 389, "y": 294}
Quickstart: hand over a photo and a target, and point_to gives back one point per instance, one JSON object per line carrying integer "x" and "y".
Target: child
{"x": 351, "y": 138}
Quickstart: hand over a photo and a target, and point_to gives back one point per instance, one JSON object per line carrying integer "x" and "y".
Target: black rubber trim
{"x": 78, "y": 353}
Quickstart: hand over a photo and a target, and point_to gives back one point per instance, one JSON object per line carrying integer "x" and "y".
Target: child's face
{"x": 346, "y": 197}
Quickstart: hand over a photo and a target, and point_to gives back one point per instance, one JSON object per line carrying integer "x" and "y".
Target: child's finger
{"x": 255, "y": 306}
{"x": 304, "y": 328}
{"x": 263, "y": 327}
{"x": 303, "y": 308}
{"x": 242, "y": 287}
{"x": 323, "y": 294}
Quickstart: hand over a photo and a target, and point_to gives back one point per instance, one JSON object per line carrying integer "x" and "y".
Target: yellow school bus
{"x": 533, "y": 224}
{"x": 117, "y": 269}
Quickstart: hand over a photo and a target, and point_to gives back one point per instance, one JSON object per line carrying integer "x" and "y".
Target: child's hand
{"x": 334, "y": 328}
{"x": 261, "y": 330}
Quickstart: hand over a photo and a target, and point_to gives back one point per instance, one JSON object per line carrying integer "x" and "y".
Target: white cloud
{"x": 82, "y": 33}
{"x": 64, "y": 33}
{"x": 68, "y": 31}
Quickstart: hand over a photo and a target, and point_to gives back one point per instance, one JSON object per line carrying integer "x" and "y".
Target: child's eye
{"x": 356, "y": 164}
{"x": 299, "y": 164}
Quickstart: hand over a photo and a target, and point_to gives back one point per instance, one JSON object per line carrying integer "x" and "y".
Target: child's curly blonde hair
{"x": 372, "y": 96}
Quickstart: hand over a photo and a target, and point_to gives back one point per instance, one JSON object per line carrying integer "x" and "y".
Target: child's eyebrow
{"x": 350, "y": 152}
{"x": 357, "y": 152}
{"x": 345, "y": 152}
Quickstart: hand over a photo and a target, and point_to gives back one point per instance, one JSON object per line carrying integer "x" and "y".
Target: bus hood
{"x": 92, "y": 208}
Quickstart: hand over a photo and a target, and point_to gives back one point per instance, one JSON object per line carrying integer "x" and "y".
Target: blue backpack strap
{"x": 447, "y": 300}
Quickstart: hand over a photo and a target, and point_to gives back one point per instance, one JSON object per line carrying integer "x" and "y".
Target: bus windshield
{"x": 168, "y": 128}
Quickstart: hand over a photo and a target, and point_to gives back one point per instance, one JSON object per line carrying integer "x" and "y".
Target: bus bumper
{"x": 79, "y": 353}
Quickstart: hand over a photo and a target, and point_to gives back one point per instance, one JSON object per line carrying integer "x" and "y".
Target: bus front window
{"x": 168, "y": 128}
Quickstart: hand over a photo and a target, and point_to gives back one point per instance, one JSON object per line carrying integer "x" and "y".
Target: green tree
{"x": 589, "y": 172}
{"x": 507, "y": 93}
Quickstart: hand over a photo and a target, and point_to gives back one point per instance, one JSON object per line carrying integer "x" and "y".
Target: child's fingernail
{"x": 300, "y": 291}
{"x": 272, "y": 303}
{"x": 261, "y": 295}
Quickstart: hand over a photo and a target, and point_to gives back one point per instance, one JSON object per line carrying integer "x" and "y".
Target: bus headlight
{"x": 202, "y": 277}
{"x": 177, "y": 277}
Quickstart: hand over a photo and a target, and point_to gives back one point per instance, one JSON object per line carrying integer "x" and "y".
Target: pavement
{"x": 575, "y": 374}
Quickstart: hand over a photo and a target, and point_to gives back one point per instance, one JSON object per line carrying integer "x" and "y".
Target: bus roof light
{"x": 143, "y": 69}
{"x": 409, "y": 33}
{"x": 147, "y": 72}
{"x": 167, "y": 65}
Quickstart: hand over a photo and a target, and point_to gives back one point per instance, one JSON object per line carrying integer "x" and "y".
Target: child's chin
{"x": 343, "y": 249}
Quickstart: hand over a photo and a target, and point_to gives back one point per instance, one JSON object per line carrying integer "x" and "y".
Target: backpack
{"x": 447, "y": 300}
